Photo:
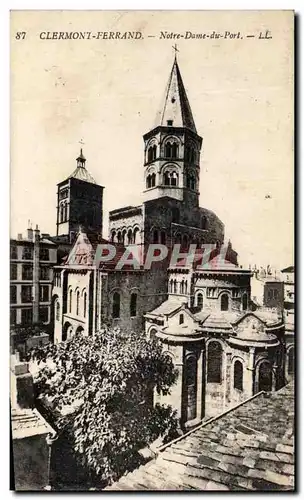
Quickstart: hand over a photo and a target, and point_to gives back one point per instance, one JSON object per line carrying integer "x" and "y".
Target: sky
{"x": 106, "y": 94}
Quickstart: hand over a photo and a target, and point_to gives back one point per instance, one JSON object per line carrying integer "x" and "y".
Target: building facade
{"x": 31, "y": 277}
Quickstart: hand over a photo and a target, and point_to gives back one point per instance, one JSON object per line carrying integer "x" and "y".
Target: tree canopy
{"x": 102, "y": 389}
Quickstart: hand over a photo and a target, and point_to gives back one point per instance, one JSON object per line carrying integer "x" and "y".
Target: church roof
{"x": 247, "y": 448}
{"x": 82, "y": 174}
{"x": 176, "y": 107}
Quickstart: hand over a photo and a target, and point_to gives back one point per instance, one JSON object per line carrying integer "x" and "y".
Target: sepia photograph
{"x": 152, "y": 273}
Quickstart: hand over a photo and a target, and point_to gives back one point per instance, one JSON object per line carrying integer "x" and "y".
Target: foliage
{"x": 103, "y": 386}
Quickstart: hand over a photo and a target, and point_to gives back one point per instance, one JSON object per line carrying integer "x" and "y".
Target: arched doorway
{"x": 224, "y": 302}
{"x": 79, "y": 330}
{"x": 190, "y": 409}
{"x": 67, "y": 331}
{"x": 265, "y": 377}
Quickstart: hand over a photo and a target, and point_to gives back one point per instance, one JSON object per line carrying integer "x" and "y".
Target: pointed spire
{"x": 81, "y": 159}
{"x": 176, "y": 110}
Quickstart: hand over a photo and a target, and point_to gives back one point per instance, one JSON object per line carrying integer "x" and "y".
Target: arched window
{"x": 65, "y": 212}
{"x": 174, "y": 150}
{"x": 152, "y": 333}
{"x": 181, "y": 287}
{"x": 168, "y": 150}
{"x": 191, "y": 386}
{"x": 174, "y": 286}
{"x": 181, "y": 319}
{"x": 148, "y": 181}
{"x": 166, "y": 179}
{"x": 238, "y": 376}
{"x": 77, "y": 302}
{"x": 154, "y": 150}
{"x": 119, "y": 237}
{"x": 153, "y": 178}
{"x": 174, "y": 179}
{"x": 133, "y": 305}
{"x": 150, "y": 153}
{"x": 70, "y": 300}
{"x": 265, "y": 377}
{"x": 61, "y": 216}
{"x": 290, "y": 361}
{"x": 57, "y": 310}
{"x": 163, "y": 237}
{"x": 175, "y": 215}
{"x": 171, "y": 178}
{"x": 204, "y": 222}
{"x": 155, "y": 236}
{"x": 113, "y": 234}
{"x": 224, "y": 302}
{"x": 245, "y": 302}
{"x": 84, "y": 304}
{"x": 200, "y": 300}
{"x": 130, "y": 237}
{"x": 116, "y": 305}
{"x": 214, "y": 363}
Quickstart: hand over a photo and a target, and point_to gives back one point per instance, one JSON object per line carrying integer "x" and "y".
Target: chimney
{"x": 37, "y": 233}
{"x": 19, "y": 237}
{"x": 22, "y": 386}
{"x": 30, "y": 232}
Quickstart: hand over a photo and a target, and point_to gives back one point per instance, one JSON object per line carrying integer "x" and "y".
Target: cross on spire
{"x": 174, "y": 47}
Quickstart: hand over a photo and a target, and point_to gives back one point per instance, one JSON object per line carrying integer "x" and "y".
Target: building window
{"x": 13, "y": 294}
{"x": 155, "y": 236}
{"x": 214, "y": 363}
{"x": 175, "y": 215}
{"x": 14, "y": 252}
{"x": 171, "y": 150}
{"x": 44, "y": 254}
{"x": 152, "y": 334}
{"x": 200, "y": 300}
{"x": 113, "y": 234}
{"x": 181, "y": 319}
{"x": 191, "y": 386}
{"x": 13, "y": 272}
{"x": 204, "y": 222}
{"x": 275, "y": 294}
{"x": 27, "y": 272}
{"x": 245, "y": 302}
{"x": 13, "y": 316}
{"x": 63, "y": 194}
{"x": 169, "y": 123}
{"x": 290, "y": 362}
{"x": 265, "y": 377}
{"x": 152, "y": 153}
{"x": 45, "y": 273}
{"x": 26, "y": 316}
{"x": 130, "y": 237}
{"x": 26, "y": 294}
{"x": 133, "y": 305}
{"x": 70, "y": 301}
{"x": 44, "y": 314}
{"x": 57, "y": 310}
{"x": 27, "y": 253}
{"x": 224, "y": 302}
{"x": 116, "y": 305}
{"x": 238, "y": 376}
{"x": 174, "y": 286}
{"x": 84, "y": 304}
{"x": 171, "y": 178}
{"x": 44, "y": 293}
{"x": 77, "y": 302}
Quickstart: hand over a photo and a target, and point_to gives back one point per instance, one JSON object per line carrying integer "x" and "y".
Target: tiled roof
{"x": 168, "y": 306}
{"x": 289, "y": 269}
{"x": 28, "y": 422}
{"x": 82, "y": 174}
{"x": 249, "y": 448}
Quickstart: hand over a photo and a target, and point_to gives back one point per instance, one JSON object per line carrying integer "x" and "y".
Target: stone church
{"x": 224, "y": 352}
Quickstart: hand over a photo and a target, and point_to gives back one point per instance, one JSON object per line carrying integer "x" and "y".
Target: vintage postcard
{"x": 152, "y": 250}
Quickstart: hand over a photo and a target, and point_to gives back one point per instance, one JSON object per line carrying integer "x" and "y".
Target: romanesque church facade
{"x": 224, "y": 352}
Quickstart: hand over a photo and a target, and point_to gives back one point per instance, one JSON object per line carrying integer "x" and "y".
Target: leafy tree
{"x": 102, "y": 388}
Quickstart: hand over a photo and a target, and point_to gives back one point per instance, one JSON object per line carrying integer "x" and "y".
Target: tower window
{"x": 155, "y": 236}
{"x": 152, "y": 153}
{"x": 245, "y": 302}
{"x": 170, "y": 122}
{"x": 84, "y": 304}
{"x": 77, "y": 302}
{"x": 133, "y": 305}
{"x": 224, "y": 302}
{"x": 238, "y": 376}
{"x": 70, "y": 300}
{"x": 116, "y": 305}
{"x": 175, "y": 216}
{"x": 181, "y": 319}
{"x": 150, "y": 181}
{"x": 171, "y": 178}
{"x": 199, "y": 300}
{"x": 171, "y": 150}
{"x": 163, "y": 237}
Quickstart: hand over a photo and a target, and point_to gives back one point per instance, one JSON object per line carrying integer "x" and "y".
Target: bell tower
{"x": 172, "y": 148}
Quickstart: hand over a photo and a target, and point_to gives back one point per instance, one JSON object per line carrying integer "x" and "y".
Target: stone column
{"x": 227, "y": 379}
